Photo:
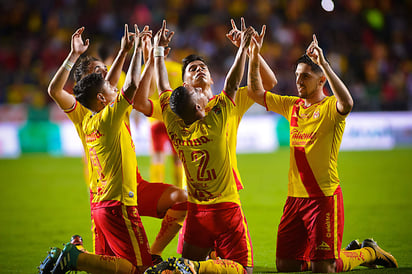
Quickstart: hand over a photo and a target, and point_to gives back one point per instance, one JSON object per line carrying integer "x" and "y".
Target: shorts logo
{"x": 323, "y": 246}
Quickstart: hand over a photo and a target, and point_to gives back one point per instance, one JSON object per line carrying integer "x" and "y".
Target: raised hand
{"x": 246, "y": 37}
{"x": 78, "y": 47}
{"x": 259, "y": 37}
{"x": 127, "y": 40}
{"x": 147, "y": 42}
{"x": 163, "y": 36}
{"x": 315, "y": 52}
{"x": 234, "y": 34}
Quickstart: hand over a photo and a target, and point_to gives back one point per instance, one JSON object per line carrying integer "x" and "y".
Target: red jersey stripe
{"x": 306, "y": 174}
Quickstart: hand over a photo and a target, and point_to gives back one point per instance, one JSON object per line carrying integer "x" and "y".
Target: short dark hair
{"x": 189, "y": 59}
{"x": 306, "y": 60}
{"x": 179, "y": 101}
{"x": 87, "y": 88}
{"x": 82, "y": 67}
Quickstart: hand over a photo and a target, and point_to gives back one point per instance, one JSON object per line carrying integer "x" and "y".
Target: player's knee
{"x": 324, "y": 266}
{"x": 283, "y": 265}
{"x": 179, "y": 196}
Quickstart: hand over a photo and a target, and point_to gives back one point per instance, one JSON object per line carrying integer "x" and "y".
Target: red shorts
{"x": 148, "y": 196}
{"x": 160, "y": 138}
{"x": 221, "y": 226}
{"x": 311, "y": 229}
{"x": 118, "y": 231}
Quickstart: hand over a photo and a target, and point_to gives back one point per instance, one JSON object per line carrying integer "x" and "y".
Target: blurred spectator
{"x": 367, "y": 42}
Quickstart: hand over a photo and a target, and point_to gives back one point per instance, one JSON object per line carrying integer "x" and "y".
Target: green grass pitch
{"x": 44, "y": 200}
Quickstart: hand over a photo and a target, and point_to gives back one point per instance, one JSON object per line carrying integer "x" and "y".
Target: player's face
{"x": 306, "y": 81}
{"x": 109, "y": 92}
{"x": 197, "y": 97}
{"x": 197, "y": 74}
{"x": 98, "y": 67}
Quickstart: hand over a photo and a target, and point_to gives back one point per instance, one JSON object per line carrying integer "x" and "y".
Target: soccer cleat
{"x": 383, "y": 258}
{"x": 172, "y": 265}
{"x": 67, "y": 260}
{"x": 76, "y": 240}
{"x": 164, "y": 267}
{"x": 353, "y": 245}
{"x": 48, "y": 263}
{"x": 184, "y": 266}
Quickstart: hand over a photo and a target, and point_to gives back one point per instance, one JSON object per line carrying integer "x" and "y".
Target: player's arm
{"x": 161, "y": 40}
{"x": 235, "y": 73}
{"x": 341, "y": 92}
{"x": 64, "y": 99}
{"x": 133, "y": 73}
{"x": 141, "y": 100}
{"x": 269, "y": 79}
{"x": 254, "y": 80}
{"x": 115, "y": 71}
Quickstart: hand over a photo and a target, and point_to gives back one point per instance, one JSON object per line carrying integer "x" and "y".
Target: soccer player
{"x": 311, "y": 227}
{"x": 157, "y": 200}
{"x": 160, "y": 139}
{"x": 195, "y": 73}
{"x": 119, "y": 233}
{"x": 197, "y": 128}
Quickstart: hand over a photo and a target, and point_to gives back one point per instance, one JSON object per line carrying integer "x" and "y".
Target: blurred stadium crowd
{"x": 368, "y": 42}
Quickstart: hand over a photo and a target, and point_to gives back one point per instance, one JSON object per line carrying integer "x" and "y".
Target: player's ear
{"x": 322, "y": 80}
{"x": 100, "y": 97}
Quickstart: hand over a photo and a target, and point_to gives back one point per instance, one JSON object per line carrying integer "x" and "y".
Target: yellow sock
{"x": 157, "y": 172}
{"x": 171, "y": 224}
{"x": 102, "y": 264}
{"x": 354, "y": 258}
{"x": 178, "y": 175}
{"x": 219, "y": 266}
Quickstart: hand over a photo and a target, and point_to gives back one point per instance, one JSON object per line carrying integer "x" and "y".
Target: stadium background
{"x": 368, "y": 43}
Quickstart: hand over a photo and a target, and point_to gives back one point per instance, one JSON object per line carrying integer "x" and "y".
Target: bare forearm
{"x": 269, "y": 79}
{"x": 235, "y": 73}
{"x": 255, "y": 87}
{"x": 56, "y": 86}
{"x": 141, "y": 99}
{"x": 115, "y": 71}
{"x": 339, "y": 89}
{"x": 161, "y": 73}
{"x": 133, "y": 74}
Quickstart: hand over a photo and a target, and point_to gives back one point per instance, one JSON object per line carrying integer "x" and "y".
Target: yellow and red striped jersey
{"x": 112, "y": 154}
{"x": 242, "y": 103}
{"x": 315, "y": 137}
{"x": 203, "y": 149}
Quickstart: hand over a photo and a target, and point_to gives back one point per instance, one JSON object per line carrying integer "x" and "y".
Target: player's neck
{"x": 314, "y": 100}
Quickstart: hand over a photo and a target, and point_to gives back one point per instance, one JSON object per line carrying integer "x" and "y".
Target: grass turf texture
{"x": 45, "y": 200}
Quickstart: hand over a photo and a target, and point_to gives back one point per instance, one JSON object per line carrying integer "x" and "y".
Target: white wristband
{"x": 68, "y": 65}
{"x": 159, "y": 52}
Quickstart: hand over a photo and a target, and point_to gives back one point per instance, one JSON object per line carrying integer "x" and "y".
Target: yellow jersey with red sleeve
{"x": 203, "y": 149}
{"x": 243, "y": 102}
{"x": 315, "y": 137}
{"x": 112, "y": 155}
